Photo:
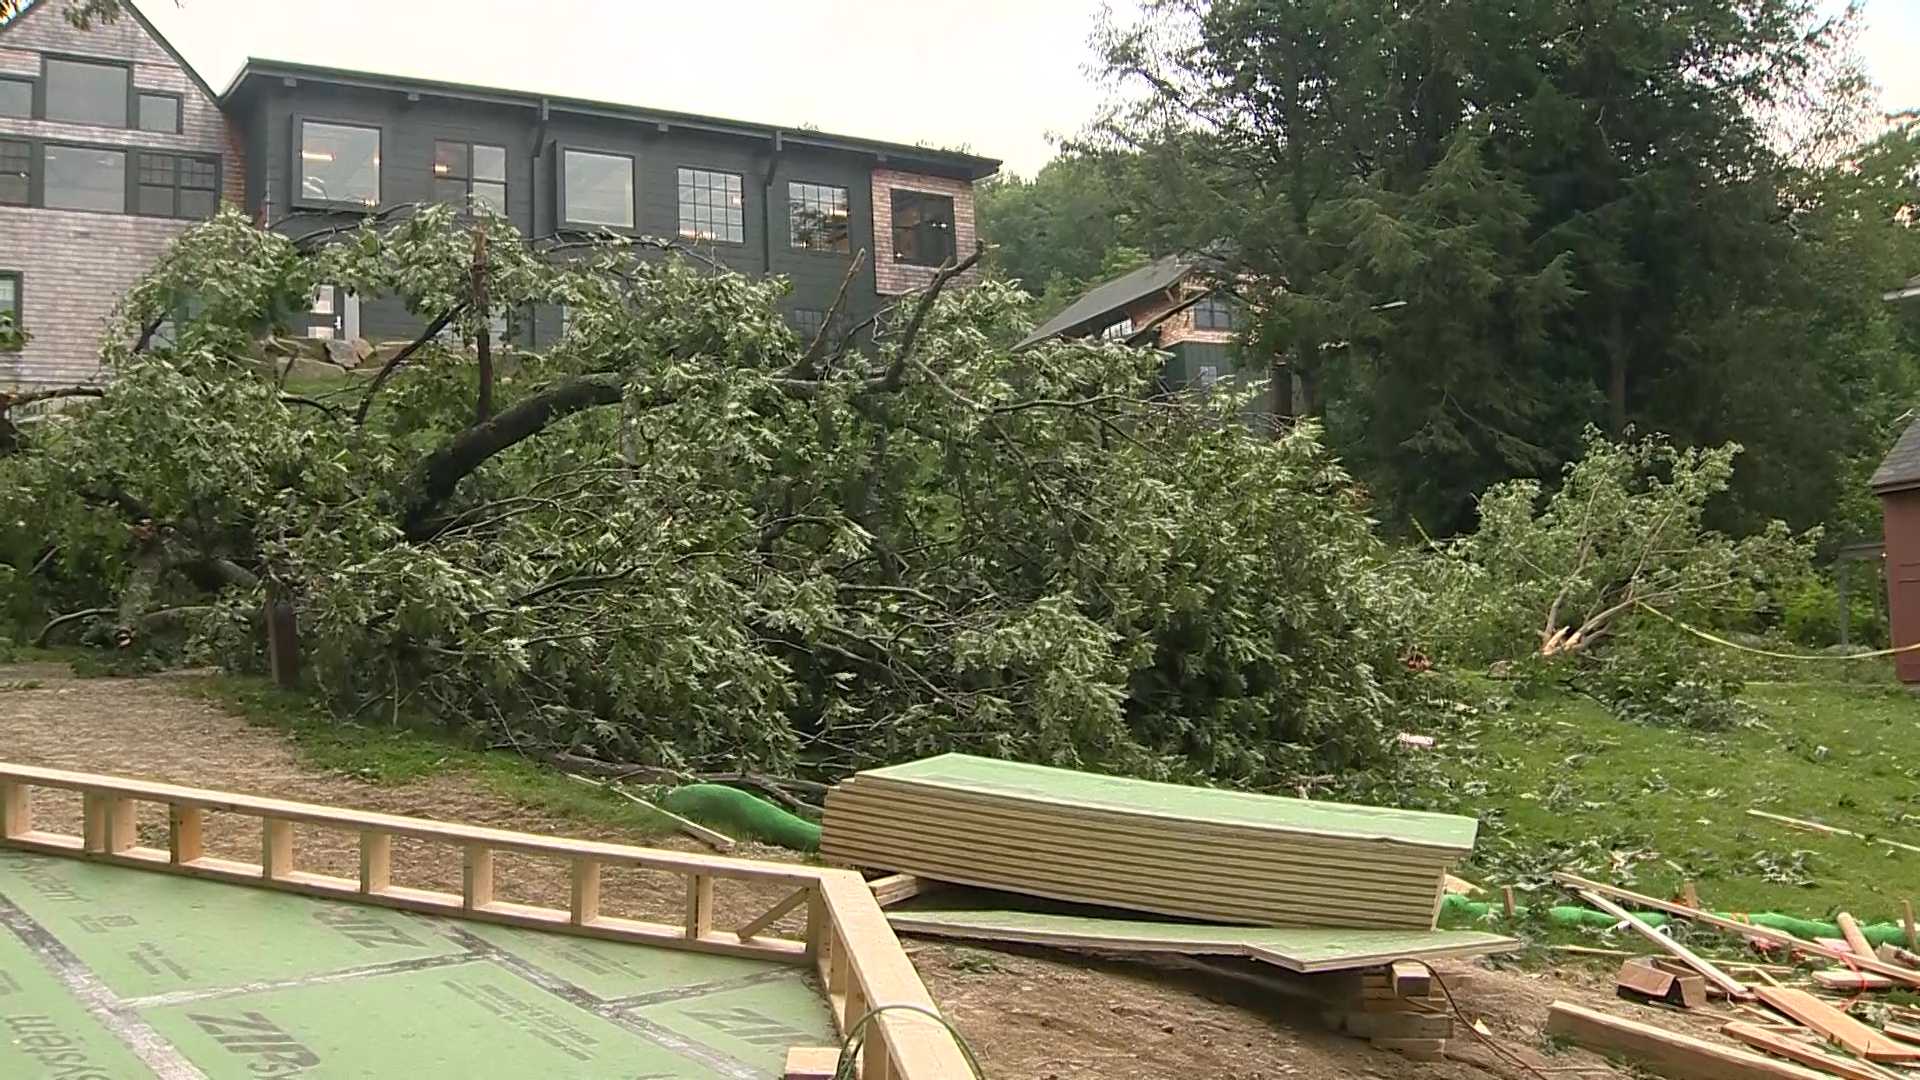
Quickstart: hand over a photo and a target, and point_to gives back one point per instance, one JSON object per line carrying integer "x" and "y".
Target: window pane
{"x": 156, "y": 169}
{"x": 817, "y": 217}
{"x": 87, "y": 93}
{"x": 16, "y": 160}
{"x": 450, "y": 159}
{"x": 712, "y": 206}
{"x": 16, "y": 97}
{"x": 340, "y": 164}
{"x": 599, "y": 189}
{"x": 83, "y": 179}
{"x": 199, "y": 174}
{"x": 10, "y": 297}
{"x": 156, "y": 200}
{"x": 451, "y": 192}
{"x": 199, "y": 205}
{"x": 922, "y": 228}
{"x": 490, "y": 163}
{"x": 159, "y": 112}
{"x": 492, "y": 196}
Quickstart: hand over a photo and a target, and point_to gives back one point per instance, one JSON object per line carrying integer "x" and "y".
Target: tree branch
{"x": 895, "y": 374}
{"x": 432, "y": 331}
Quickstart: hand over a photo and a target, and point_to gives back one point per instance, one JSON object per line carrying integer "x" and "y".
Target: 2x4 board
{"x": 1193, "y": 852}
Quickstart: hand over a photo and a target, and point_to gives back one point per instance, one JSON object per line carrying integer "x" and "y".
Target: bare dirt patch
{"x": 1031, "y": 1015}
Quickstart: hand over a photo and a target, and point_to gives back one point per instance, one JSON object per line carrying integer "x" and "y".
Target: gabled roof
{"x": 971, "y": 166}
{"x": 1901, "y": 467}
{"x": 1104, "y": 302}
{"x": 32, "y": 7}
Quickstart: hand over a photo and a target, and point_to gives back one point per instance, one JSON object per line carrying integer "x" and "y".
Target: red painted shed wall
{"x": 1900, "y": 513}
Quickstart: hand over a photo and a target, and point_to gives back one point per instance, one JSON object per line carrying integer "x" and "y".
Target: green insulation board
{"x": 964, "y": 774}
{"x": 116, "y": 974}
{"x": 1300, "y": 950}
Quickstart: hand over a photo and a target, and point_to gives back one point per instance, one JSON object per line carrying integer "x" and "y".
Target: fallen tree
{"x": 683, "y": 536}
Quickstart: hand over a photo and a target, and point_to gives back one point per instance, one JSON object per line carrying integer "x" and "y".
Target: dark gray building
{"x": 303, "y": 148}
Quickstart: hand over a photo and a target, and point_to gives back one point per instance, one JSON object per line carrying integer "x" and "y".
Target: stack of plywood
{"x": 1198, "y": 853}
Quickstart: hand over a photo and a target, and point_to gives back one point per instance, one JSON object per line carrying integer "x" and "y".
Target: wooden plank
{"x": 476, "y": 877}
{"x": 919, "y": 1045}
{"x": 1640, "y": 978}
{"x": 276, "y": 848}
{"x": 1851, "y": 981}
{"x": 1850, "y": 930}
{"x": 584, "y": 906}
{"x": 419, "y": 828}
{"x": 892, "y": 889}
{"x": 1410, "y": 978}
{"x": 1894, "y": 954}
{"x": 1903, "y": 1032}
{"x": 1782, "y": 1046}
{"x": 699, "y": 906}
{"x": 121, "y": 832}
{"x": 16, "y": 809}
{"x": 376, "y": 862}
{"x": 812, "y": 1062}
{"x": 1667, "y": 1053}
{"x": 1856, "y": 1037}
{"x": 1814, "y": 826}
{"x": 185, "y": 825}
{"x": 1734, "y": 988}
{"x": 1907, "y": 924}
{"x": 1765, "y": 933}
{"x": 773, "y": 914}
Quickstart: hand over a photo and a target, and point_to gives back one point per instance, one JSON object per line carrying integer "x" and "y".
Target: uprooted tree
{"x": 684, "y": 535}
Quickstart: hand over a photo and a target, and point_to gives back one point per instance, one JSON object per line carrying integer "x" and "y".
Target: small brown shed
{"x": 1897, "y": 482}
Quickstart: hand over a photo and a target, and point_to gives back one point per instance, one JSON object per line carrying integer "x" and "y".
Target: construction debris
{"x": 1668, "y": 1053}
{"x": 1641, "y": 979}
{"x": 1814, "y": 826}
{"x": 1195, "y": 852}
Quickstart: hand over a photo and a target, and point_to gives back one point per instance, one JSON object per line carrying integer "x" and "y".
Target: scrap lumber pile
{"x": 1782, "y": 1030}
{"x": 1338, "y": 897}
{"x": 1199, "y": 853}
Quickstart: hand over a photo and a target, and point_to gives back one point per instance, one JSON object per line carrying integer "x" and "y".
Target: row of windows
{"x": 340, "y": 165}
{"x": 89, "y": 92}
{"x": 98, "y": 178}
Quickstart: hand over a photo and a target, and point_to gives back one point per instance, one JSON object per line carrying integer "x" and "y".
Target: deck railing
{"x": 847, "y": 939}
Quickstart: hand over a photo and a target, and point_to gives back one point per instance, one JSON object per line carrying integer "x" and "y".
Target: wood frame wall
{"x": 848, "y": 941}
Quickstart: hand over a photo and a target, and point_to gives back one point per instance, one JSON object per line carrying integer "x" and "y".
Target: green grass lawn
{"x": 1559, "y": 783}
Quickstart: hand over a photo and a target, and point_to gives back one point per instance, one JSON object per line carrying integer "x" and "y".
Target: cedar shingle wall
{"x": 77, "y": 266}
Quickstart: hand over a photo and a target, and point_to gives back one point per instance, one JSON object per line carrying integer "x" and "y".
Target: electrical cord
{"x": 1453, "y": 1005}
{"x": 856, "y": 1039}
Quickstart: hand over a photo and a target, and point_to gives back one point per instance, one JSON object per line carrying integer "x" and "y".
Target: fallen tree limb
{"x": 46, "y": 632}
{"x": 1830, "y": 830}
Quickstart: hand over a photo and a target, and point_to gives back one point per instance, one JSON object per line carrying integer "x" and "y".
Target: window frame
{"x": 561, "y": 212}
{"x": 33, "y": 152}
{"x": 1218, "y": 311}
{"x": 296, "y": 177}
{"x": 505, "y": 183}
{"x": 952, "y": 223}
{"x": 135, "y": 183}
{"x": 19, "y": 279}
{"x": 42, "y": 85}
{"x": 33, "y": 92}
{"x": 38, "y": 184}
{"x": 680, "y": 185}
{"x": 794, "y": 242}
{"x": 179, "y": 111}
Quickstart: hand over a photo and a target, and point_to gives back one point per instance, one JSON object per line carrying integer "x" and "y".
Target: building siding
{"x": 897, "y": 277}
{"x": 78, "y": 265}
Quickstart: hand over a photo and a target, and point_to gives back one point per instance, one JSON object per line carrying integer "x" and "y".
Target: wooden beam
{"x": 1667, "y": 1053}
{"x": 699, "y": 906}
{"x": 476, "y": 878}
{"x": 1735, "y": 989}
{"x": 1793, "y": 1050}
{"x": 1858, "y": 1038}
{"x": 772, "y": 915}
{"x": 184, "y": 840}
{"x": 1851, "y": 981}
{"x": 1850, "y": 930}
{"x": 16, "y": 809}
{"x": 812, "y": 1062}
{"x": 1410, "y": 978}
{"x": 376, "y": 862}
{"x": 585, "y": 905}
{"x": 1906, "y": 923}
{"x": 1765, "y": 933}
{"x": 276, "y": 848}
{"x": 1641, "y": 978}
{"x": 894, "y": 888}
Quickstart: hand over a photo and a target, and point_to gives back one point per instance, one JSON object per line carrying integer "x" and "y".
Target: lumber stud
{"x": 185, "y": 842}
{"x": 276, "y": 848}
{"x": 699, "y": 906}
{"x": 376, "y": 862}
{"x": 585, "y": 906}
{"x": 16, "y": 809}
{"x": 476, "y": 878}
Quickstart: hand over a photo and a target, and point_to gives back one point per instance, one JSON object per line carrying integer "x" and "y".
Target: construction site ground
{"x": 1030, "y": 1014}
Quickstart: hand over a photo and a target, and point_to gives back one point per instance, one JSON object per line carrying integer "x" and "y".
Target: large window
{"x": 598, "y": 189}
{"x": 470, "y": 174}
{"x": 87, "y": 93}
{"x": 712, "y": 206}
{"x": 339, "y": 164}
{"x": 10, "y": 298}
{"x": 922, "y": 228}
{"x": 1215, "y": 312}
{"x": 16, "y": 97}
{"x": 172, "y": 186}
{"x": 16, "y": 168}
{"x": 817, "y": 217}
{"x": 86, "y": 178}
{"x": 159, "y": 112}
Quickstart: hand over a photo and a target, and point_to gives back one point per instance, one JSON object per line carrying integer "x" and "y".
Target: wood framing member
{"x": 1735, "y": 989}
{"x": 847, "y": 936}
{"x": 1792, "y": 1049}
{"x": 1895, "y": 972}
{"x": 1667, "y": 1053}
{"x": 773, "y": 914}
{"x": 1843, "y": 1030}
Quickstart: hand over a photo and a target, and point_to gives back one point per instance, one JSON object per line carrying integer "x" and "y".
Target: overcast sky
{"x": 999, "y": 77}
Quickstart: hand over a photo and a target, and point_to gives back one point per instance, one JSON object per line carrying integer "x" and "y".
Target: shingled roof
{"x": 1901, "y": 467}
{"x": 1108, "y": 299}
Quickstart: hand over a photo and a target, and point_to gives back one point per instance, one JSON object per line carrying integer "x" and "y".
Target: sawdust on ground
{"x": 1030, "y": 1014}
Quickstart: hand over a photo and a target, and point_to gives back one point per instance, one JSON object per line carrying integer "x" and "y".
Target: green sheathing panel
{"x": 145, "y": 933}
{"x": 1206, "y": 806}
{"x": 753, "y": 1024}
{"x": 468, "y": 1021}
{"x": 111, "y": 973}
{"x": 44, "y": 1033}
{"x": 1300, "y": 950}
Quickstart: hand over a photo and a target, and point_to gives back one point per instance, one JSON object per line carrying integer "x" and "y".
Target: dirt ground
{"x": 1030, "y": 1014}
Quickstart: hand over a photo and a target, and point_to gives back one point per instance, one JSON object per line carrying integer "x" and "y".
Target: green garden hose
{"x": 742, "y": 814}
{"x": 1574, "y": 915}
